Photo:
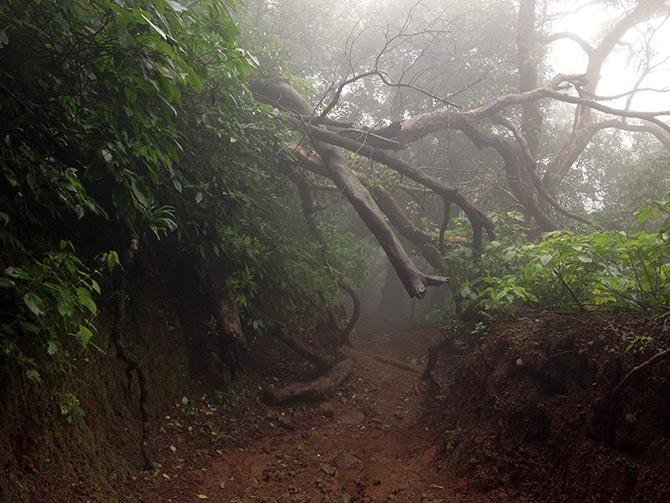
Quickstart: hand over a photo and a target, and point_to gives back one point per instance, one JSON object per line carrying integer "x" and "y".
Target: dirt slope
{"x": 531, "y": 410}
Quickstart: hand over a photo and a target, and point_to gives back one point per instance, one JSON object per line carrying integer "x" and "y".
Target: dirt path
{"x": 370, "y": 442}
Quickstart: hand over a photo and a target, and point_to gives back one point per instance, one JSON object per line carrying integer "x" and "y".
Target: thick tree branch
{"x": 574, "y": 146}
{"x": 422, "y": 240}
{"x": 531, "y": 167}
{"x": 476, "y": 216}
{"x": 414, "y": 281}
{"x": 564, "y": 35}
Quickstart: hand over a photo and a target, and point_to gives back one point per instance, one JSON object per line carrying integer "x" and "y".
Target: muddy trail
{"x": 373, "y": 440}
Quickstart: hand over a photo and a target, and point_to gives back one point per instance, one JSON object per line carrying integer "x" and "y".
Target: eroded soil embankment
{"x": 531, "y": 410}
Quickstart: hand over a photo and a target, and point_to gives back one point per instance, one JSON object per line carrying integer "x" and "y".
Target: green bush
{"x": 570, "y": 270}
{"x": 136, "y": 113}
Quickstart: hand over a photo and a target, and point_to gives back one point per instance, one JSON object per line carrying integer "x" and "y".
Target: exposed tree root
{"x": 383, "y": 359}
{"x": 122, "y": 353}
{"x": 281, "y": 332}
{"x": 636, "y": 370}
{"x": 346, "y": 332}
{"x": 314, "y": 390}
{"x": 232, "y": 341}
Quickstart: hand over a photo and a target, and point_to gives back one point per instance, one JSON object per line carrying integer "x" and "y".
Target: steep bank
{"x": 531, "y": 411}
{"x": 47, "y": 453}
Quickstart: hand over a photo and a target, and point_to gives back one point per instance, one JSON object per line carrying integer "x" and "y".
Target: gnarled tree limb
{"x": 414, "y": 281}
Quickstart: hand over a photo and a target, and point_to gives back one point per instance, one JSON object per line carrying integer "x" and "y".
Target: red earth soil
{"x": 531, "y": 409}
{"x": 372, "y": 441}
{"x": 526, "y": 416}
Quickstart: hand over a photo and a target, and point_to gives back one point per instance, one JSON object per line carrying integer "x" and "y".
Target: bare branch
{"x": 632, "y": 91}
{"x": 338, "y": 93}
{"x": 531, "y": 168}
{"x": 421, "y": 125}
{"x": 564, "y": 35}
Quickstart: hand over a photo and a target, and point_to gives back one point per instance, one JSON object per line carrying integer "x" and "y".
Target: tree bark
{"x": 314, "y": 390}
{"x": 278, "y": 93}
{"x": 320, "y": 362}
{"x": 527, "y": 57}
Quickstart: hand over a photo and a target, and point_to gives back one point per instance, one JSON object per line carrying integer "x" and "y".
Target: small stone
{"x": 328, "y": 469}
{"x": 352, "y": 417}
{"x": 327, "y": 409}
{"x": 519, "y": 362}
{"x": 286, "y": 422}
{"x": 345, "y": 460}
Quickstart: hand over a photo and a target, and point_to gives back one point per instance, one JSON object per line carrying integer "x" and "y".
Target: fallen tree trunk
{"x": 382, "y": 359}
{"x": 314, "y": 390}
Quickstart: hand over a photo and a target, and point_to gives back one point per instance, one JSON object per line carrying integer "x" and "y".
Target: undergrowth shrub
{"x": 136, "y": 114}
{"x": 583, "y": 270}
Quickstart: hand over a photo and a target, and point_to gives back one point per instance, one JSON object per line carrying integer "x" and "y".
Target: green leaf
{"x": 545, "y": 259}
{"x": 141, "y": 193}
{"x": 65, "y": 302}
{"x": 158, "y": 30}
{"x": 112, "y": 259}
{"x": 7, "y": 283}
{"x": 17, "y": 272}
{"x": 84, "y": 297}
{"x": 34, "y": 303}
{"x": 84, "y": 335}
{"x": 176, "y": 6}
{"x": 33, "y": 375}
{"x": 644, "y": 213}
{"x": 52, "y": 347}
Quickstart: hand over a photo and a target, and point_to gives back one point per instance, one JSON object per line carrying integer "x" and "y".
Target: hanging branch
{"x": 414, "y": 281}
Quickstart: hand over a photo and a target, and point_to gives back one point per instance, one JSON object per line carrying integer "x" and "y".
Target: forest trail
{"x": 370, "y": 442}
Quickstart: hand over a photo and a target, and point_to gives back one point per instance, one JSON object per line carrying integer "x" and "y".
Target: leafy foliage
{"x": 49, "y": 297}
{"x": 570, "y": 270}
{"x": 134, "y": 113}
